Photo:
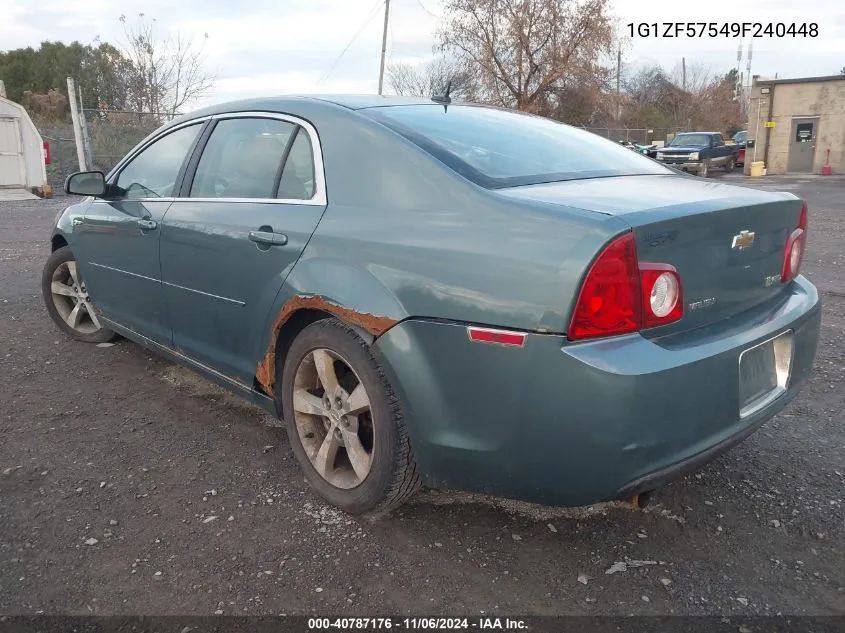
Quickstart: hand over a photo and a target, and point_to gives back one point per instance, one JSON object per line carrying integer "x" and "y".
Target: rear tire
{"x": 67, "y": 300}
{"x": 729, "y": 166}
{"x": 344, "y": 422}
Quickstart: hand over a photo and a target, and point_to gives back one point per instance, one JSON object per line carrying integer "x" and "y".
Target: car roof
{"x": 284, "y": 102}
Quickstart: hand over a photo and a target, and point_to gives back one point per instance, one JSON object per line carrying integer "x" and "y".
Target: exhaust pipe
{"x": 641, "y": 500}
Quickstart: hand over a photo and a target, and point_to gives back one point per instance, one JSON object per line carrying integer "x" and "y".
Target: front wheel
{"x": 344, "y": 421}
{"x": 67, "y": 299}
{"x": 704, "y": 169}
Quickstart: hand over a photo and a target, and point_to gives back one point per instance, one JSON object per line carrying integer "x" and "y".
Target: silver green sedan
{"x": 446, "y": 295}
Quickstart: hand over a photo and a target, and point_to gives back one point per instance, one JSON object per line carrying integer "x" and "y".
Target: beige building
{"x": 809, "y": 119}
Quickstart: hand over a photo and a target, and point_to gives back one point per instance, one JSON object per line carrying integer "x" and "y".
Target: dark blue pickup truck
{"x": 698, "y": 152}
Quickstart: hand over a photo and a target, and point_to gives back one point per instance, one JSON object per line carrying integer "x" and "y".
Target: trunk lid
{"x": 726, "y": 242}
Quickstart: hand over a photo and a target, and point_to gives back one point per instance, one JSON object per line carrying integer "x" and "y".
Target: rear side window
{"x": 502, "y": 148}
{"x": 153, "y": 172}
{"x": 297, "y": 182}
{"x": 242, "y": 159}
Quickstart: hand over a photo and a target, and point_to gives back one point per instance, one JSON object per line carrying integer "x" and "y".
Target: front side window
{"x": 153, "y": 173}
{"x": 501, "y": 148}
{"x": 242, "y": 159}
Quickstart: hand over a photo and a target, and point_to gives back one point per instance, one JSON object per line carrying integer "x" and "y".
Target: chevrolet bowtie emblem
{"x": 742, "y": 240}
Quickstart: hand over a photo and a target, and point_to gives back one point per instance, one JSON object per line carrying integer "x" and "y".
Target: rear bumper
{"x": 572, "y": 424}
{"x": 677, "y": 470}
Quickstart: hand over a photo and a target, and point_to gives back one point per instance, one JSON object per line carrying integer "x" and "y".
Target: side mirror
{"x": 749, "y": 142}
{"x": 86, "y": 183}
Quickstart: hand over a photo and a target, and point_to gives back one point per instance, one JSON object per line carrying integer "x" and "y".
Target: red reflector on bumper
{"x": 497, "y": 337}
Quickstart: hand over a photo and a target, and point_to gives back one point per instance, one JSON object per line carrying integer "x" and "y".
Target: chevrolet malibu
{"x": 446, "y": 295}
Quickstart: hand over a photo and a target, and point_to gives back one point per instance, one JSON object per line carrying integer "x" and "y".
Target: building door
{"x": 802, "y": 145}
{"x": 12, "y": 172}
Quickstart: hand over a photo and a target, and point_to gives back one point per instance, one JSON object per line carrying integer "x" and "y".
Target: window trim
{"x": 319, "y": 198}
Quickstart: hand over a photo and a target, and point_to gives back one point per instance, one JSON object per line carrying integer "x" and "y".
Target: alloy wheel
{"x": 71, "y": 300}
{"x": 333, "y": 418}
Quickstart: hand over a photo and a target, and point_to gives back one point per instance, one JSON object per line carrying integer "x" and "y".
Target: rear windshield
{"x": 502, "y": 148}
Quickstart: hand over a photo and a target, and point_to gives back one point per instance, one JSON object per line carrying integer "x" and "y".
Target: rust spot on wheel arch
{"x": 265, "y": 373}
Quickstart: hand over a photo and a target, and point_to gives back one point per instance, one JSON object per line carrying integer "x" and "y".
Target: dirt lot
{"x": 129, "y": 486}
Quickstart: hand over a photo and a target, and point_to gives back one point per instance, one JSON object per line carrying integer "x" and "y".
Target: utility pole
{"x": 618, "y": 76}
{"x": 383, "y": 45}
{"x": 747, "y": 93}
{"x": 684, "y": 73}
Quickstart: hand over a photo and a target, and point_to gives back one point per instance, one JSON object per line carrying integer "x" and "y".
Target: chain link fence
{"x": 111, "y": 135}
{"x": 643, "y": 136}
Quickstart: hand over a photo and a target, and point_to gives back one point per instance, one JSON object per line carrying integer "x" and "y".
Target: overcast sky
{"x": 262, "y": 47}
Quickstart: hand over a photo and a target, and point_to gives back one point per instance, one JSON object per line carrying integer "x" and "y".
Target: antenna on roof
{"x": 445, "y": 99}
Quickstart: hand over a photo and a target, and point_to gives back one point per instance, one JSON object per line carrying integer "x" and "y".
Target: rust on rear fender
{"x": 265, "y": 372}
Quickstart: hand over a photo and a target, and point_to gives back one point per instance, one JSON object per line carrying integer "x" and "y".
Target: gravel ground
{"x": 130, "y": 486}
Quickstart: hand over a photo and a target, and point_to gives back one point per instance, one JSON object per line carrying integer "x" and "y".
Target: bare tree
{"x": 166, "y": 72}
{"x": 522, "y": 49}
{"x": 429, "y": 78}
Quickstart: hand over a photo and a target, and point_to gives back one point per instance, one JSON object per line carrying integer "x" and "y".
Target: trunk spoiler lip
{"x": 579, "y": 195}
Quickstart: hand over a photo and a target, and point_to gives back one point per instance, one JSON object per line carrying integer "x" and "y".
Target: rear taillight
{"x": 793, "y": 252}
{"x": 609, "y": 301}
{"x": 661, "y": 292}
{"x": 619, "y": 295}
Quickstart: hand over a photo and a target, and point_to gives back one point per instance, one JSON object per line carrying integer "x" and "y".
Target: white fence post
{"x": 77, "y": 126}
{"x": 86, "y": 139}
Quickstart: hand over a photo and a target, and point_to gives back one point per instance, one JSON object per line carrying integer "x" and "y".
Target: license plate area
{"x": 764, "y": 372}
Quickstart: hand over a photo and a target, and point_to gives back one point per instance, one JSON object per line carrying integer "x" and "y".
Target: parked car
{"x": 641, "y": 149}
{"x": 741, "y": 141}
{"x": 453, "y": 296}
{"x": 698, "y": 152}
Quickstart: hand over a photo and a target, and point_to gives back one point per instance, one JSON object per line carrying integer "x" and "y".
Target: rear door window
{"x": 243, "y": 159}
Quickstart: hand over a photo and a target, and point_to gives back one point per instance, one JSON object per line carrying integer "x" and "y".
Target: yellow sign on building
{"x": 770, "y": 123}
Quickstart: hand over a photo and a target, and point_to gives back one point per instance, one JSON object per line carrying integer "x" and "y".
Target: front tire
{"x": 704, "y": 169}
{"x": 344, "y": 422}
{"x": 67, "y": 300}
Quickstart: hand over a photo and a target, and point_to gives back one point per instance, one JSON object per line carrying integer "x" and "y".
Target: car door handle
{"x": 265, "y": 237}
{"x": 147, "y": 225}
{"x": 77, "y": 221}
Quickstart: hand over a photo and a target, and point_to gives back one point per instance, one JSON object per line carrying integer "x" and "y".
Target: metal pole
{"x": 383, "y": 46}
{"x": 768, "y": 129}
{"x": 757, "y": 129}
{"x": 77, "y": 128}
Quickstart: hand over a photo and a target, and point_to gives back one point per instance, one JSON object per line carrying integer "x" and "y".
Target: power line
{"x": 361, "y": 28}
{"x": 427, "y": 10}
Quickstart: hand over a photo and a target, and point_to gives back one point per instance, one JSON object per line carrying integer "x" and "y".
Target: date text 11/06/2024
{"x": 722, "y": 29}
{"x": 428, "y": 624}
